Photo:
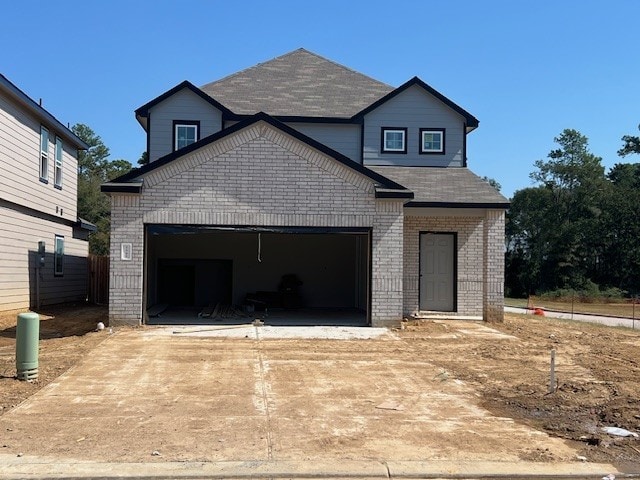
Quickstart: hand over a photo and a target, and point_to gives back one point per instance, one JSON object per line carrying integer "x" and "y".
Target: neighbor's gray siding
{"x": 20, "y": 156}
{"x": 183, "y": 105}
{"x": 19, "y": 236}
{"x": 342, "y": 138}
{"x": 414, "y": 108}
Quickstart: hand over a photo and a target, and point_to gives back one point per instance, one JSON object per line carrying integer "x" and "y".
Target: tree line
{"x": 94, "y": 169}
{"x": 577, "y": 228}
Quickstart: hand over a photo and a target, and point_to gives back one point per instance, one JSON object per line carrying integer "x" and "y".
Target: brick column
{"x": 387, "y": 268}
{"x": 493, "y": 267}
{"x": 125, "y": 276}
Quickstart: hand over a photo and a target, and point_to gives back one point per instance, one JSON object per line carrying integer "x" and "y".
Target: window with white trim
{"x": 44, "y": 154}
{"x": 58, "y": 256}
{"x": 432, "y": 140}
{"x": 394, "y": 140}
{"x": 57, "y": 175}
{"x": 185, "y": 133}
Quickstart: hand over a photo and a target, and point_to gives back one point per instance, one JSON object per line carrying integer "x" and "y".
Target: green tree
{"x": 144, "y": 158}
{"x": 95, "y": 168}
{"x": 619, "y": 265}
{"x": 552, "y": 231}
{"x": 493, "y": 182}
{"x": 631, "y": 144}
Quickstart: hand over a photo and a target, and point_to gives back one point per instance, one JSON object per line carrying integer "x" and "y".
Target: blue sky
{"x": 526, "y": 69}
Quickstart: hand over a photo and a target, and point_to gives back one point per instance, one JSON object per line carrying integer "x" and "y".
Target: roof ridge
{"x": 297, "y": 50}
{"x": 352, "y": 70}
{"x": 259, "y": 64}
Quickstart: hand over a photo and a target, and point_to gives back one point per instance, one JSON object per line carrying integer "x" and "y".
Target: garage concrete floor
{"x": 149, "y": 395}
{"x": 278, "y": 317}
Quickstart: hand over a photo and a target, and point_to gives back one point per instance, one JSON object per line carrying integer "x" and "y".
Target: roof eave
{"x": 121, "y": 187}
{"x": 143, "y": 111}
{"x": 43, "y": 115}
{"x": 385, "y": 193}
{"x": 489, "y": 205}
{"x": 471, "y": 121}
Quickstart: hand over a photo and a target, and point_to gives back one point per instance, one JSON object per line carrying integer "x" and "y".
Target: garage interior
{"x": 235, "y": 275}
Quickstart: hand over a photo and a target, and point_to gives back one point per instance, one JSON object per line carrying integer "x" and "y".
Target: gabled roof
{"x": 143, "y": 111}
{"x": 299, "y": 83}
{"x": 44, "y": 116}
{"x": 130, "y": 182}
{"x": 471, "y": 121}
{"x": 445, "y": 187}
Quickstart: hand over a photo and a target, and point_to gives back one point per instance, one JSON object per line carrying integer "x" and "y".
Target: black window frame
{"x": 56, "y": 256}
{"x": 443, "y": 131}
{"x": 57, "y": 179}
{"x": 383, "y": 130}
{"x": 185, "y": 123}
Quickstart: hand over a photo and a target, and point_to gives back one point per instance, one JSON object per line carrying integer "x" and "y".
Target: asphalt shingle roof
{"x": 443, "y": 185}
{"x": 299, "y": 83}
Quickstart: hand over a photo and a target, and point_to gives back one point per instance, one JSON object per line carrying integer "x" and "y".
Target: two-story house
{"x": 300, "y": 183}
{"x": 43, "y": 244}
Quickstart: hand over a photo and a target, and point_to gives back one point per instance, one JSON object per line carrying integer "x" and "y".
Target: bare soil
{"x": 67, "y": 334}
{"x": 597, "y": 372}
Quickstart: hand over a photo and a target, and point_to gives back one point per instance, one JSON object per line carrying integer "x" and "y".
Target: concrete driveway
{"x": 161, "y": 395}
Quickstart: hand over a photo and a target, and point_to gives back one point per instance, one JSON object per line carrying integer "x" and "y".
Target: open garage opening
{"x": 234, "y": 275}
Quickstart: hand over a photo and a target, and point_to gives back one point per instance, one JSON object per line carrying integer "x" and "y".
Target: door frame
{"x": 455, "y": 267}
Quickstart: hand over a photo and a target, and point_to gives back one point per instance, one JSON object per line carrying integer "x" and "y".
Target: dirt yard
{"x": 597, "y": 372}
{"x": 67, "y": 333}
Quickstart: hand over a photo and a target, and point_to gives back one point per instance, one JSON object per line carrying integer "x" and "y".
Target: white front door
{"x": 437, "y": 271}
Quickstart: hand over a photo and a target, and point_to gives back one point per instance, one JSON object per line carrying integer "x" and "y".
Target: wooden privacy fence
{"x": 98, "y": 273}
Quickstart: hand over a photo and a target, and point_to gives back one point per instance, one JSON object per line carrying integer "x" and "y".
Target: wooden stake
{"x": 552, "y": 373}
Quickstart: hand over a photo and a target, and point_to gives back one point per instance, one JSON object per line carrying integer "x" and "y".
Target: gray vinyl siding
{"x": 20, "y": 154}
{"x": 413, "y": 109}
{"x": 19, "y": 236}
{"x": 183, "y": 105}
{"x": 342, "y": 138}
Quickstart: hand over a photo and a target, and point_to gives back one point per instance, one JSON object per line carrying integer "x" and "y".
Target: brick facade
{"x": 258, "y": 176}
{"x": 480, "y": 262}
{"x": 469, "y": 267}
{"x": 493, "y": 266}
{"x": 387, "y": 254}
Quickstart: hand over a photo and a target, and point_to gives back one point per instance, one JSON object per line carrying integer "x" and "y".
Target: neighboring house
{"x": 43, "y": 244}
{"x": 302, "y": 169}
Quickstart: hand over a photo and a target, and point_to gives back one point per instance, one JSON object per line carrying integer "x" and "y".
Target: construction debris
{"x": 221, "y": 312}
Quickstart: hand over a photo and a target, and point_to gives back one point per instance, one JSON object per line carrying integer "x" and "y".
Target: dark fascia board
{"x": 143, "y": 111}
{"x": 496, "y": 205}
{"x": 394, "y": 194}
{"x": 86, "y": 225}
{"x": 44, "y": 116}
{"x": 472, "y": 122}
{"x": 121, "y": 187}
{"x": 260, "y": 116}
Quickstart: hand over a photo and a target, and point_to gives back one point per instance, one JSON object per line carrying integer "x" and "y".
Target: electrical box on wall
{"x": 126, "y": 251}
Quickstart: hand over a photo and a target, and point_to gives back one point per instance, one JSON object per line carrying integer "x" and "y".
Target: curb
{"x": 34, "y": 468}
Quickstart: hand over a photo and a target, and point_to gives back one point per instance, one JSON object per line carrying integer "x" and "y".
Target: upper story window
{"x": 432, "y": 140}
{"x": 44, "y": 154}
{"x": 394, "y": 140}
{"x": 185, "y": 132}
{"x": 57, "y": 176}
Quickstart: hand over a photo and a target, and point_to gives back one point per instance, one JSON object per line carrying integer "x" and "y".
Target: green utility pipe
{"x": 27, "y": 343}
